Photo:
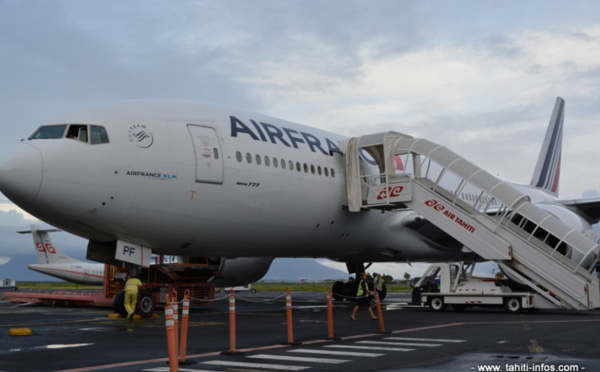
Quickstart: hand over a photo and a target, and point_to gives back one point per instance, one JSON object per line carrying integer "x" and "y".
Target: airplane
{"x": 195, "y": 179}
{"x": 52, "y": 261}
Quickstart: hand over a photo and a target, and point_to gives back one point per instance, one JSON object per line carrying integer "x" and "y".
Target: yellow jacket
{"x": 132, "y": 284}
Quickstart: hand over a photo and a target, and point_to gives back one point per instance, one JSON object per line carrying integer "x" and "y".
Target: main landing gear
{"x": 347, "y": 290}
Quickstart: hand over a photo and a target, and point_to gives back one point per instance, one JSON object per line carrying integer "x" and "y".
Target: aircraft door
{"x": 209, "y": 159}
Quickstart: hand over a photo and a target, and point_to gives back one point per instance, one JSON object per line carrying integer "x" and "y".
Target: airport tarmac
{"x": 416, "y": 339}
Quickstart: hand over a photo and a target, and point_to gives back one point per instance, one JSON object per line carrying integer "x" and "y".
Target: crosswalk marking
{"x": 328, "y": 352}
{"x": 377, "y": 348}
{"x": 299, "y": 359}
{"x": 358, "y": 349}
{"x": 278, "y": 367}
{"x": 422, "y": 339}
{"x": 398, "y": 343}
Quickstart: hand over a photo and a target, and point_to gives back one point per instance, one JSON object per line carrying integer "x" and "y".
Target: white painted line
{"x": 279, "y": 367}
{"x": 299, "y": 359}
{"x": 422, "y": 339}
{"x": 398, "y": 343}
{"x": 334, "y": 353}
{"x": 376, "y": 348}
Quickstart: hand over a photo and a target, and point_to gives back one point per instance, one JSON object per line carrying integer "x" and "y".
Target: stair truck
{"x": 454, "y": 284}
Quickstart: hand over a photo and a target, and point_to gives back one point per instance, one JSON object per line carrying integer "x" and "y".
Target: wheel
{"x": 437, "y": 304}
{"x": 350, "y": 289}
{"x": 382, "y": 293}
{"x": 118, "y": 303}
{"x": 337, "y": 291}
{"x": 513, "y": 305}
{"x": 146, "y": 304}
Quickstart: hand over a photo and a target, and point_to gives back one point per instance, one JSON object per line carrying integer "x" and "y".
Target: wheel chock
{"x": 114, "y": 316}
{"x": 20, "y": 332}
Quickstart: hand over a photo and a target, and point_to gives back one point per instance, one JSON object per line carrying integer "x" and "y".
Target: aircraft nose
{"x": 21, "y": 173}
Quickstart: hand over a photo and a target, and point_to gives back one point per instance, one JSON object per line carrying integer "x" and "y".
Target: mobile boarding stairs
{"x": 484, "y": 213}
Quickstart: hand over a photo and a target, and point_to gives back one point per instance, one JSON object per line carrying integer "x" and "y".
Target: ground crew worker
{"x": 131, "y": 294}
{"x": 362, "y": 297}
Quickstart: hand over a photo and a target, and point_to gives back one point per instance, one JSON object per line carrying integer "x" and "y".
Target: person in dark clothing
{"x": 362, "y": 297}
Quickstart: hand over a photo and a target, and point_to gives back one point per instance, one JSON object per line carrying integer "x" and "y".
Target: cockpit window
{"x": 49, "y": 131}
{"x": 98, "y": 135}
{"x": 93, "y": 134}
{"x": 78, "y": 132}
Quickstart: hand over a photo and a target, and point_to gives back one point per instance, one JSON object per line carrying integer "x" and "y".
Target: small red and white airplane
{"x": 54, "y": 262}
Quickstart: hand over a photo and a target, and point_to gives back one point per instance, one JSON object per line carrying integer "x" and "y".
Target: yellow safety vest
{"x": 361, "y": 292}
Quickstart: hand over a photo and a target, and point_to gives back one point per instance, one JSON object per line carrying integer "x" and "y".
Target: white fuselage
{"x": 169, "y": 192}
{"x": 75, "y": 272}
{"x": 194, "y": 179}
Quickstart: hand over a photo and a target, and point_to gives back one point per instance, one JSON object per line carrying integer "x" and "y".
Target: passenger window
{"x": 249, "y": 158}
{"x": 257, "y": 159}
{"x": 49, "y": 131}
{"x": 238, "y": 156}
{"x": 267, "y": 161}
{"x": 282, "y": 163}
{"x": 216, "y": 153}
{"x": 275, "y": 162}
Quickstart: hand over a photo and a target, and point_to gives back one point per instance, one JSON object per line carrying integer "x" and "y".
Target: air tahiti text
{"x": 265, "y": 132}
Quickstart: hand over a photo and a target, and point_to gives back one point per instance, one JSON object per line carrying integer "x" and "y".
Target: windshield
{"x": 50, "y": 131}
{"x": 93, "y": 134}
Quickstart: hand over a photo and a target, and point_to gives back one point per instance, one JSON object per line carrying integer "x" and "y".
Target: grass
{"x": 259, "y": 286}
{"x": 315, "y": 287}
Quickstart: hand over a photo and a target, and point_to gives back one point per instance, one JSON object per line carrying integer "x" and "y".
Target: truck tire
{"x": 146, "y": 304}
{"x": 513, "y": 305}
{"x": 437, "y": 304}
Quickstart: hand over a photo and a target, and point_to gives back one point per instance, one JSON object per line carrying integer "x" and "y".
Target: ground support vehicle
{"x": 8, "y": 284}
{"x": 159, "y": 280}
{"x": 454, "y": 284}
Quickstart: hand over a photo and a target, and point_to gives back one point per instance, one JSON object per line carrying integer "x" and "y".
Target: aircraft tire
{"x": 337, "y": 291}
{"x": 382, "y": 293}
{"x": 119, "y": 303}
{"x": 146, "y": 304}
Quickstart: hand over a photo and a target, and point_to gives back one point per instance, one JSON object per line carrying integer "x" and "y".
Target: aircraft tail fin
{"x": 547, "y": 170}
{"x": 45, "y": 250}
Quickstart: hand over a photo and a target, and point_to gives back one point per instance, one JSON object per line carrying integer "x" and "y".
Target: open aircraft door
{"x": 209, "y": 159}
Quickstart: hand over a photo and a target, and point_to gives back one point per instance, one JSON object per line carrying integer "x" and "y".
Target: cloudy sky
{"x": 480, "y": 77}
